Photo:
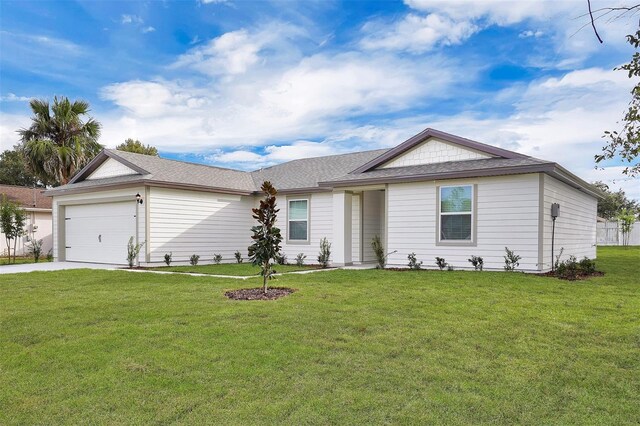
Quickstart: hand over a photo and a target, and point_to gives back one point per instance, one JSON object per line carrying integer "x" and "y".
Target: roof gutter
{"x": 116, "y": 185}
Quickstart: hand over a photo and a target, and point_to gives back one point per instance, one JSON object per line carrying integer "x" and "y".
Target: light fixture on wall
{"x": 139, "y": 198}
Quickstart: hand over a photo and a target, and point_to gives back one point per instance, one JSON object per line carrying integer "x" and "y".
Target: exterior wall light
{"x": 139, "y": 199}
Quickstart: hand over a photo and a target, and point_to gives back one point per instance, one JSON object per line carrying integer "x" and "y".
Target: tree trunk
{"x": 8, "y": 241}
{"x": 264, "y": 277}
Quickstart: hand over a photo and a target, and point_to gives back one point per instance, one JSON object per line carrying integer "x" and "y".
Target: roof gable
{"x": 433, "y": 146}
{"x": 111, "y": 168}
{"x": 434, "y": 151}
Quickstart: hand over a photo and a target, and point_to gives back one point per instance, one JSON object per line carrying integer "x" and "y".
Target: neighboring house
{"x": 38, "y": 224}
{"x": 435, "y": 194}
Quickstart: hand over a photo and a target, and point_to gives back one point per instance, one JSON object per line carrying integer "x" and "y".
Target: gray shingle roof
{"x": 173, "y": 171}
{"x": 308, "y": 172}
{"x": 481, "y": 167}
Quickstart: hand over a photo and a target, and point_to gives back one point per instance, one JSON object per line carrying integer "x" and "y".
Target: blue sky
{"x": 248, "y": 84}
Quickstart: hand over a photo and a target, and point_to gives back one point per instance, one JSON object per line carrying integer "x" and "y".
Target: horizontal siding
{"x": 190, "y": 222}
{"x": 507, "y": 215}
{"x": 355, "y": 229}
{"x": 576, "y": 225}
{"x": 372, "y": 221}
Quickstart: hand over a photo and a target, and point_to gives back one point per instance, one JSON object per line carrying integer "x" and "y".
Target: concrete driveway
{"x": 53, "y": 266}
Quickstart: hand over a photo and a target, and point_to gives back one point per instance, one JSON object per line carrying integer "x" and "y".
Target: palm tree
{"x": 59, "y": 143}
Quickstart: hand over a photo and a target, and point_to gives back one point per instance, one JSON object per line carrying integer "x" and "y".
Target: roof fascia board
{"x": 116, "y": 185}
{"x": 446, "y": 137}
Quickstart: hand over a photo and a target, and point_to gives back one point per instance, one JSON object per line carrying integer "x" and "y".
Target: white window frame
{"x": 296, "y": 241}
{"x": 472, "y": 214}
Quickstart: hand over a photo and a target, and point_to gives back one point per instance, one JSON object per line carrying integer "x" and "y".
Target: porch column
{"x": 342, "y": 220}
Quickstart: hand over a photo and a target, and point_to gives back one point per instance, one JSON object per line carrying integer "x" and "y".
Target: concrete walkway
{"x": 62, "y": 266}
{"x": 234, "y": 277}
{"x": 52, "y": 266}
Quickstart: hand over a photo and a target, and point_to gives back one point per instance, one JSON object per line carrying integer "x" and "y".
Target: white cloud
{"x": 9, "y": 124}
{"x": 531, "y": 33}
{"x": 131, "y": 19}
{"x": 148, "y": 29}
{"x": 237, "y": 157}
{"x": 12, "y": 97}
{"x": 417, "y": 33}
{"x": 235, "y": 52}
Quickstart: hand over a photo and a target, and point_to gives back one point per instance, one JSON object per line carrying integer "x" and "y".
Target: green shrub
{"x": 413, "y": 262}
{"x": 194, "y": 259}
{"x": 325, "y": 252}
{"x": 35, "y": 249}
{"x": 281, "y": 259}
{"x": 168, "y": 258}
{"x": 587, "y": 266}
{"x": 511, "y": 260}
{"x": 477, "y": 262}
{"x": 568, "y": 269}
{"x": 441, "y": 263}
{"x": 238, "y": 257}
{"x": 132, "y": 252}
{"x": 300, "y": 259}
{"x": 217, "y": 258}
{"x": 378, "y": 251}
{"x": 50, "y": 255}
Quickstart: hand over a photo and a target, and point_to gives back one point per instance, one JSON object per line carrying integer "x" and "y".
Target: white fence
{"x": 610, "y": 234}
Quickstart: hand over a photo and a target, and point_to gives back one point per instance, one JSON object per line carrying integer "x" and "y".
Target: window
{"x": 298, "y": 215}
{"x": 456, "y": 211}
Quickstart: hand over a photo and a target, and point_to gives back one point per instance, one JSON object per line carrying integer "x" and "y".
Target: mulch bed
{"x": 257, "y": 293}
{"x": 579, "y": 276}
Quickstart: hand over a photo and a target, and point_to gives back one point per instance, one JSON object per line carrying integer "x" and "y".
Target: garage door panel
{"x": 99, "y": 232}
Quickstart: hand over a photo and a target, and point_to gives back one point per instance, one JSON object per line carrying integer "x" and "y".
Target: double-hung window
{"x": 298, "y": 220}
{"x": 456, "y": 213}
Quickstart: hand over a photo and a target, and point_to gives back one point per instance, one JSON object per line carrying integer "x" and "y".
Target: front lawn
{"x": 236, "y": 269}
{"x": 349, "y": 347}
{"x": 21, "y": 260}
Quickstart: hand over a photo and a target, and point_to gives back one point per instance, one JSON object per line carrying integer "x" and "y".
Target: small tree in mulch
{"x": 266, "y": 236}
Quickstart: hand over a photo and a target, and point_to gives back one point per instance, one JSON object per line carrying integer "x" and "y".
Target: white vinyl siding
{"x": 576, "y": 225}
{"x": 507, "y": 215}
{"x": 97, "y": 197}
{"x": 111, "y": 168}
{"x": 203, "y": 223}
{"x": 320, "y": 226}
{"x": 355, "y": 228}
{"x": 372, "y": 222}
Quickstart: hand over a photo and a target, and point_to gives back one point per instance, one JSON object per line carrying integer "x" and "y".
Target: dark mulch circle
{"x": 257, "y": 293}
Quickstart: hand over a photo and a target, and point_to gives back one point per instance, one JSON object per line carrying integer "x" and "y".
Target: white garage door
{"x": 99, "y": 232}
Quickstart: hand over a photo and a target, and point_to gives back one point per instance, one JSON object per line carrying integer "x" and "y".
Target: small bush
{"x": 511, "y": 260}
{"x": 441, "y": 263}
{"x": 281, "y": 259}
{"x": 413, "y": 262}
{"x": 238, "y": 257}
{"x": 378, "y": 251}
{"x": 568, "y": 269}
{"x": 194, "y": 259}
{"x": 587, "y": 266}
{"x": 558, "y": 256}
{"x": 477, "y": 262}
{"x": 449, "y": 267}
{"x": 132, "y": 252}
{"x": 50, "y": 255}
{"x": 325, "y": 252}
{"x": 217, "y": 258}
{"x": 300, "y": 259}
{"x": 168, "y": 258}
{"x": 35, "y": 249}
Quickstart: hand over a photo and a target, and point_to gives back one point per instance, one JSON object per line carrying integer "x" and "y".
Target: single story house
{"x": 38, "y": 224}
{"x": 435, "y": 194}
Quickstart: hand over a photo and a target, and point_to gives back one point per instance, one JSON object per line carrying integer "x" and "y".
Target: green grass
{"x": 21, "y": 260}
{"x": 237, "y": 269}
{"x": 349, "y": 347}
